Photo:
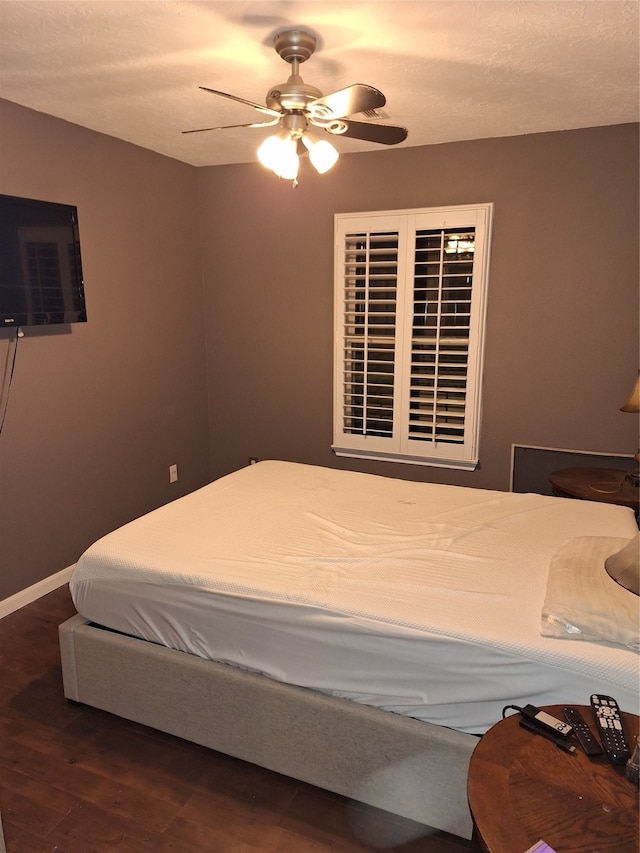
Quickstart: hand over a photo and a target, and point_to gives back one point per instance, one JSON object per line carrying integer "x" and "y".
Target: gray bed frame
{"x": 411, "y": 768}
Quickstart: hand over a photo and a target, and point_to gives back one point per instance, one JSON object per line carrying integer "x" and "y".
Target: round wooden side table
{"x": 605, "y": 485}
{"x": 523, "y": 789}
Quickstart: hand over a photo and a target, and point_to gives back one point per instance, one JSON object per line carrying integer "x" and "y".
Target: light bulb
{"x": 321, "y": 153}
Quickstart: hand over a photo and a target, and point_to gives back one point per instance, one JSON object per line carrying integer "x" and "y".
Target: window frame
{"x": 399, "y": 446}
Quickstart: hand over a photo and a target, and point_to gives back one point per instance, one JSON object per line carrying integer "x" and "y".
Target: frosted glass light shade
{"x": 321, "y": 153}
{"x": 269, "y": 151}
{"x": 279, "y": 154}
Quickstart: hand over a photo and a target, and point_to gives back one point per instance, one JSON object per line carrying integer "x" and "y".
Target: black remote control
{"x": 582, "y": 731}
{"x": 609, "y": 722}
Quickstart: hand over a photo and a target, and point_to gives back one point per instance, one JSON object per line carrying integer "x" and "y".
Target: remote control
{"x": 609, "y": 721}
{"x": 582, "y": 731}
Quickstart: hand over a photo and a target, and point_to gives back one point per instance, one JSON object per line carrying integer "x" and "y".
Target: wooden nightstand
{"x": 522, "y": 788}
{"x": 606, "y": 485}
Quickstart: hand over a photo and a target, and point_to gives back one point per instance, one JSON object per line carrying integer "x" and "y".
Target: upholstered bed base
{"x": 411, "y": 768}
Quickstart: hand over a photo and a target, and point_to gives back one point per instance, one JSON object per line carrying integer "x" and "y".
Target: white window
{"x": 410, "y": 305}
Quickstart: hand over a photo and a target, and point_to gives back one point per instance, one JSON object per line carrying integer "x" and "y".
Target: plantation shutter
{"x": 410, "y": 296}
{"x": 370, "y": 296}
{"x": 442, "y": 288}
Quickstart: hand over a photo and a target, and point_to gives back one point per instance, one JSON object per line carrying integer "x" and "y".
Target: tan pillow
{"x": 582, "y": 602}
{"x": 624, "y": 565}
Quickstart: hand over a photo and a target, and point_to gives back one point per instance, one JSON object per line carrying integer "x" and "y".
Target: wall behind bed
{"x": 98, "y": 411}
{"x": 562, "y": 337}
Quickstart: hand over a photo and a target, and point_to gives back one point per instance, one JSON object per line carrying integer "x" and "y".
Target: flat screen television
{"x": 40, "y": 266}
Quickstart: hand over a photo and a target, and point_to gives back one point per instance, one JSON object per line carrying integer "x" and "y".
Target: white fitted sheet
{"x": 417, "y": 598}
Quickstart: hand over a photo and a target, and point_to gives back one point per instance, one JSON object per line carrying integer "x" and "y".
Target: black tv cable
{"x": 6, "y": 383}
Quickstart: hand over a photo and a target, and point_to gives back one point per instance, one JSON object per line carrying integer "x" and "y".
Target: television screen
{"x": 40, "y": 266}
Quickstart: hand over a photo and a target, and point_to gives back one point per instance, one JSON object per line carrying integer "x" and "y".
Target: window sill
{"x": 457, "y": 464}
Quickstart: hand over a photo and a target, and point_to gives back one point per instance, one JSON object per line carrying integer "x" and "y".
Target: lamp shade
{"x": 633, "y": 403}
{"x": 278, "y": 153}
{"x": 321, "y": 153}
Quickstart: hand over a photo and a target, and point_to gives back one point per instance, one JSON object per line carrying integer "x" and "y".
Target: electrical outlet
{"x": 173, "y": 473}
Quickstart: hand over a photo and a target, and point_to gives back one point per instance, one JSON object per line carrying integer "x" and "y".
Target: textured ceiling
{"x": 451, "y": 69}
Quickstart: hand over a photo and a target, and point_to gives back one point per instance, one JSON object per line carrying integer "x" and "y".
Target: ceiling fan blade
{"x": 258, "y": 107}
{"x": 385, "y": 134}
{"x": 231, "y": 126}
{"x": 354, "y": 99}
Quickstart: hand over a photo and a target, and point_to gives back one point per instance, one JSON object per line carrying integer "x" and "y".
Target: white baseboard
{"x": 32, "y": 593}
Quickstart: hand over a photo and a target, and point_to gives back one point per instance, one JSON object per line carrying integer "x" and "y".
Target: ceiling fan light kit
{"x": 295, "y": 105}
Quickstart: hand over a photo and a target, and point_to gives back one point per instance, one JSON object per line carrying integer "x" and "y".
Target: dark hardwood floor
{"x": 77, "y": 780}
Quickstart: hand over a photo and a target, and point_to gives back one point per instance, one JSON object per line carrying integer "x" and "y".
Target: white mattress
{"x": 418, "y": 598}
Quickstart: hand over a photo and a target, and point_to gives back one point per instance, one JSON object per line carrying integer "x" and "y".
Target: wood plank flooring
{"x": 77, "y": 780}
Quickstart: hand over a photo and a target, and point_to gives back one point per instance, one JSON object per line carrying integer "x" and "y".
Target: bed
{"x": 352, "y": 631}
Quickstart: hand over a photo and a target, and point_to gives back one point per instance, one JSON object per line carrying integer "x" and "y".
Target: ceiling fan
{"x": 295, "y": 107}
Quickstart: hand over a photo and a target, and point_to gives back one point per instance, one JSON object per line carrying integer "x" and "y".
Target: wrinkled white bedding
{"x": 418, "y": 598}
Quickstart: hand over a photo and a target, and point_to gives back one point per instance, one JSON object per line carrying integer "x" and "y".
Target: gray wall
{"x": 98, "y": 411}
{"x": 562, "y": 338}
{"x": 158, "y": 375}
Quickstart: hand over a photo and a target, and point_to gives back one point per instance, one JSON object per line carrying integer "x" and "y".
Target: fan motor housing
{"x": 292, "y": 95}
